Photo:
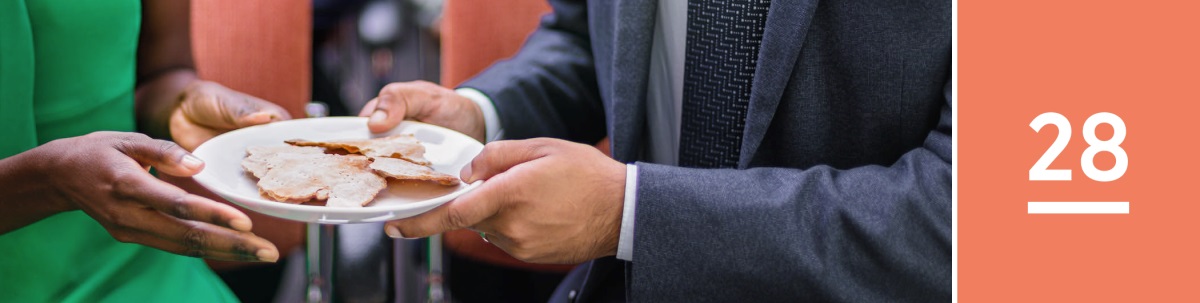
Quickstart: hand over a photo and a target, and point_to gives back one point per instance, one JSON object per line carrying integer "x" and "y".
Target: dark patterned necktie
{"x": 723, "y": 37}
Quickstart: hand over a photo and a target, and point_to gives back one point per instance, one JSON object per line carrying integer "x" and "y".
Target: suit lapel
{"x": 630, "y": 65}
{"x": 783, "y": 37}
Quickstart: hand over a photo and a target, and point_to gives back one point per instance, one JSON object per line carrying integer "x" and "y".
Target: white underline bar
{"x": 1079, "y": 207}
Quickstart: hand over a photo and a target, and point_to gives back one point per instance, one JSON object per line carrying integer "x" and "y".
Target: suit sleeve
{"x": 865, "y": 234}
{"x": 549, "y": 88}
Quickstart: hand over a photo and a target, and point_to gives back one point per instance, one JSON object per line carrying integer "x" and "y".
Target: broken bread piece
{"x": 341, "y": 180}
{"x": 404, "y": 170}
{"x": 256, "y": 156}
{"x": 403, "y": 146}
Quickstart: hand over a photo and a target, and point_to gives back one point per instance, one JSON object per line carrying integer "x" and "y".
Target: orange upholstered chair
{"x": 476, "y": 34}
{"x": 262, "y": 48}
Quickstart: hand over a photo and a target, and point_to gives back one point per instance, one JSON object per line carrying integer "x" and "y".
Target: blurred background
{"x": 328, "y": 58}
{"x": 359, "y": 46}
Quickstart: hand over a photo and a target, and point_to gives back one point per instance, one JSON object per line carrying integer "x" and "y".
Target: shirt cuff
{"x": 491, "y": 119}
{"x": 625, "y": 242}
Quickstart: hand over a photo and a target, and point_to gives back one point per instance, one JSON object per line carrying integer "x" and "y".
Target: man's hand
{"x": 104, "y": 175}
{"x": 425, "y": 102}
{"x": 208, "y": 109}
{"x": 545, "y": 201}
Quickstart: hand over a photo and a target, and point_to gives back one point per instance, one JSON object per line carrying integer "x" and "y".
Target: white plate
{"x": 448, "y": 150}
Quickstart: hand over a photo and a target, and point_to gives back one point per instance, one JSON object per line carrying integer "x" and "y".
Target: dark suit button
{"x": 571, "y": 295}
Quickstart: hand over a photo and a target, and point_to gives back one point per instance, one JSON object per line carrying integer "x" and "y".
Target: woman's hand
{"x": 104, "y": 174}
{"x": 207, "y": 109}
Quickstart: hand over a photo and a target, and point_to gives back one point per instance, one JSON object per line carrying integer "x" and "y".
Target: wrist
{"x": 612, "y": 230}
{"x": 27, "y": 178}
{"x": 488, "y": 118}
{"x": 28, "y": 195}
{"x": 478, "y": 126}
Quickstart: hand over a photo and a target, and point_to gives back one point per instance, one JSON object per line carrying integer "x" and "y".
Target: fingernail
{"x": 465, "y": 174}
{"x": 267, "y": 255}
{"x": 394, "y": 232}
{"x": 240, "y": 224}
{"x": 263, "y": 117}
{"x": 377, "y": 117}
{"x": 192, "y": 162}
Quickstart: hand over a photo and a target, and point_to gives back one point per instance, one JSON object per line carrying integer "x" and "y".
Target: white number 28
{"x": 1039, "y": 171}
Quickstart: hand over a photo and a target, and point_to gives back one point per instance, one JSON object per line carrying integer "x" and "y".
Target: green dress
{"x": 67, "y": 68}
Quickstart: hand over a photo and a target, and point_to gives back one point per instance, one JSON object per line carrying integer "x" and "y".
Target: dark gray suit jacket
{"x": 843, "y": 190}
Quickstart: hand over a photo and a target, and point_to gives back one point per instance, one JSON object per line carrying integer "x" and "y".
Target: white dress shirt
{"x": 664, "y": 105}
